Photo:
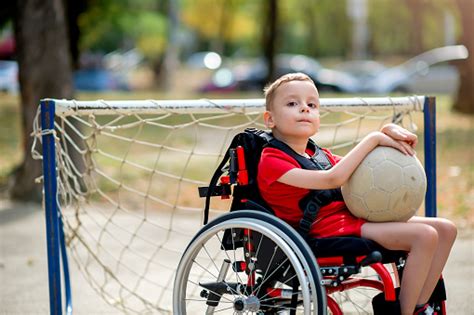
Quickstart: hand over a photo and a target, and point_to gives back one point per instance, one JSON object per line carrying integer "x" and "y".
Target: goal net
{"x": 127, "y": 174}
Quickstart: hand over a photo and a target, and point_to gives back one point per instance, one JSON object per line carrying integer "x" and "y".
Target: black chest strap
{"x": 311, "y": 203}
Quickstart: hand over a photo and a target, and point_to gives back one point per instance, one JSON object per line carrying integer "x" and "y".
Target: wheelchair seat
{"x": 350, "y": 247}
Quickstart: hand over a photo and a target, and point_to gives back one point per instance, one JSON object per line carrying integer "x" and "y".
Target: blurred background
{"x": 165, "y": 49}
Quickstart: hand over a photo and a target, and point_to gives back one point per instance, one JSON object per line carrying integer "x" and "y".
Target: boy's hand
{"x": 388, "y": 141}
{"x": 400, "y": 134}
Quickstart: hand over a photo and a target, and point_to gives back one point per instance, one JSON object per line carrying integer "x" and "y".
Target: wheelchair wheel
{"x": 243, "y": 265}
{"x": 288, "y": 232}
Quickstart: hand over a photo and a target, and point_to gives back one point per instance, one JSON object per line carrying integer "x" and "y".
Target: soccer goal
{"x": 121, "y": 177}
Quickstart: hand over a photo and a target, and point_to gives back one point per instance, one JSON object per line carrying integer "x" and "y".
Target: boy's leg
{"x": 420, "y": 240}
{"x": 447, "y": 234}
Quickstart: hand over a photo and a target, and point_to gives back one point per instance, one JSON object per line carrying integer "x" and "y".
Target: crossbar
{"x": 206, "y": 106}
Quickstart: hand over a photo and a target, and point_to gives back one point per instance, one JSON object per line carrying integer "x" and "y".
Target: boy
{"x": 292, "y": 113}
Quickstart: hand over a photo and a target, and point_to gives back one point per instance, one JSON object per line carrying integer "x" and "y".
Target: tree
{"x": 465, "y": 99}
{"x": 44, "y": 71}
{"x": 73, "y": 10}
{"x": 170, "y": 57}
{"x": 269, "y": 36}
{"x": 416, "y": 34}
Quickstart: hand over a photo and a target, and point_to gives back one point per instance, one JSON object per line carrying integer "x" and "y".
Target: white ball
{"x": 387, "y": 186}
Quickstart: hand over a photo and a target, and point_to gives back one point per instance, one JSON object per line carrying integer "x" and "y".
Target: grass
{"x": 10, "y": 132}
{"x": 455, "y": 151}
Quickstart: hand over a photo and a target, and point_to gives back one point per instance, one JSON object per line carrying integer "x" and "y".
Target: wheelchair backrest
{"x": 239, "y": 167}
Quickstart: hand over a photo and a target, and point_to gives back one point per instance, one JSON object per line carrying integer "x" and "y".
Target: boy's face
{"x": 295, "y": 110}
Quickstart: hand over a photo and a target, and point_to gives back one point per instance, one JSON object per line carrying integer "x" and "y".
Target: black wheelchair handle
{"x": 371, "y": 258}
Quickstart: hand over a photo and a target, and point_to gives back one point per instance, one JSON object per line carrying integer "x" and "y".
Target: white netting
{"x": 128, "y": 173}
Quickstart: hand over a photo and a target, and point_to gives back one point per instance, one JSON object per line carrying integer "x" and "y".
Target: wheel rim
{"x": 200, "y": 265}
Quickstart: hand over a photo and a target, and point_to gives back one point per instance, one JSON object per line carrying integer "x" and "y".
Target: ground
{"x": 24, "y": 272}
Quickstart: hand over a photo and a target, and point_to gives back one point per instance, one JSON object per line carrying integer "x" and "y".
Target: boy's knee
{"x": 447, "y": 230}
{"x": 428, "y": 236}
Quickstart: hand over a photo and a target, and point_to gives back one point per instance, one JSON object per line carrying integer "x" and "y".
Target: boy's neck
{"x": 298, "y": 144}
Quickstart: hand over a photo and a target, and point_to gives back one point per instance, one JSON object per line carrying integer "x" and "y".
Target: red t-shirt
{"x": 333, "y": 219}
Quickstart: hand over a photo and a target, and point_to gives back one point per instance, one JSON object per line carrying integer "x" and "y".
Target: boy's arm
{"x": 340, "y": 173}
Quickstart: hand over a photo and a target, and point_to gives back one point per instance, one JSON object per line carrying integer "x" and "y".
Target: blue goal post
{"x": 58, "y": 271}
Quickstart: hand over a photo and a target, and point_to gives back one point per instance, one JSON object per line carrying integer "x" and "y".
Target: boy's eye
{"x": 313, "y": 105}
{"x": 292, "y": 104}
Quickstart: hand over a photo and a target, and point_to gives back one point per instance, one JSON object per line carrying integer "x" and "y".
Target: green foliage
{"x": 391, "y": 26}
{"x": 302, "y": 26}
{"x": 317, "y": 28}
{"x": 331, "y": 35}
{"x": 112, "y": 24}
{"x": 232, "y": 21}
{"x": 149, "y": 32}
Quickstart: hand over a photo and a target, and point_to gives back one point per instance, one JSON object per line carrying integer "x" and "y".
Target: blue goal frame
{"x": 56, "y": 247}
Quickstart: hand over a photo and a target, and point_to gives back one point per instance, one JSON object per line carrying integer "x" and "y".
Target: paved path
{"x": 23, "y": 269}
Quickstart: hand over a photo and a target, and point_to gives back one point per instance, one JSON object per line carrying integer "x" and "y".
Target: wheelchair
{"x": 249, "y": 261}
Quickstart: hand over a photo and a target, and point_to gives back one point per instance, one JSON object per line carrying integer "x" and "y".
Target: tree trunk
{"x": 44, "y": 71}
{"x": 165, "y": 68}
{"x": 227, "y": 10}
{"x": 416, "y": 35}
{"x": 310, "y": 21}
{"x": 465, "y": 99}
{"x": 270, "y": 37}
{"x": 73, "y": 9}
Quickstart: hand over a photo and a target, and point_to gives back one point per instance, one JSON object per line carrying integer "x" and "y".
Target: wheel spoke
{"x": 272, "y": 257}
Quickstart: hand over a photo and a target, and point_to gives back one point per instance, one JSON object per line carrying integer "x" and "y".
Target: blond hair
{"x": 270, "y": 90}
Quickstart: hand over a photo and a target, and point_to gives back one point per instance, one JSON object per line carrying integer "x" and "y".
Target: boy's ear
{"x": 268, "y": 119}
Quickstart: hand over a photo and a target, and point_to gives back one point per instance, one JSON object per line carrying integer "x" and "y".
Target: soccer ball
{"x": 387, "y": 186}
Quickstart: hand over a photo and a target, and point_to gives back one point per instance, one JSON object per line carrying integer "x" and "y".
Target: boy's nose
{"x": 304, "y": 108}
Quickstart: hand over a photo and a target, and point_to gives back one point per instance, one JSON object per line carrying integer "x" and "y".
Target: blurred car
{"x": 109, "y": 72}
{"x": 252, "y": 76}
{"x": 98, "y": 79}
{"x": 374, "y": 77}
{"x": 440, "y": 78}
{"x": 362, "y": 70}
{"x": 9, "y": 76}
{"x": 92, "y": 79}
{"x": 123, "y": 61}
